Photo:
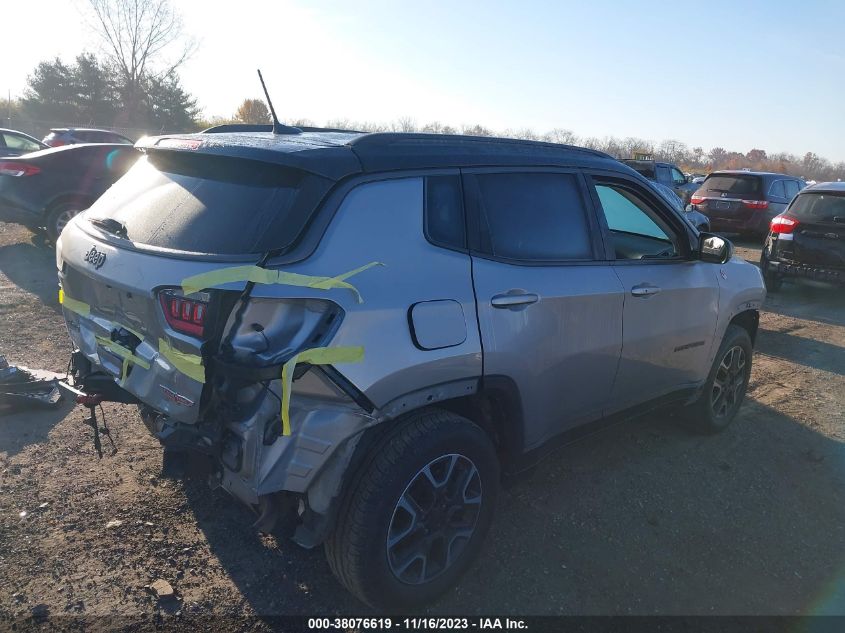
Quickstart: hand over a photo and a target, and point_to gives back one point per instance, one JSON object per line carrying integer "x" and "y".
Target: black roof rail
{"x": 382, "y": 139}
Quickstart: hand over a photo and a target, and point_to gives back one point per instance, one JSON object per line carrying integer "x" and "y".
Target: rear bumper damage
{"x": 291, "y": 479}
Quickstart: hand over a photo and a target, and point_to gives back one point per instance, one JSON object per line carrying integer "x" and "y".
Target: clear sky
{"x": 767, "y": 74}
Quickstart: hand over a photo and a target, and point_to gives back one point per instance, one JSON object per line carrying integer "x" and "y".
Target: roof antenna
{"x": 278, "y": 128}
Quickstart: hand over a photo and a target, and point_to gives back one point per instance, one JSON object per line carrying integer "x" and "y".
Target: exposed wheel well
{"x": 749, "y": 320}
{"x": 67, "y": 197}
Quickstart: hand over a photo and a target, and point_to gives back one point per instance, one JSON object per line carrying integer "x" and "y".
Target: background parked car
{"x": 47, "y": 188}
{"x": 808, "y": 239}
{"x": 698, "y": 220}
{"x": 744, "y": 202}
{"x": 14, "y": 143}
{"x": 666, "y": 174}
{"x": 59, "y": 136}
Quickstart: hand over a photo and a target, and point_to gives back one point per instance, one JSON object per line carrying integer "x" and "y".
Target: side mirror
{"x": 714, "y": 249}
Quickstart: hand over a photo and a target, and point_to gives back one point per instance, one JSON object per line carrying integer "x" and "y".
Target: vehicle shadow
{"x": 814, "y": 301}
{"x": 803, "y": 351}
{"x": 21, "y": 429}
{"x": 31, "y": 266}
{"x": 643, "y": 518}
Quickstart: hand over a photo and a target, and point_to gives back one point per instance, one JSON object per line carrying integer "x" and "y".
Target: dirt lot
{"x": 640, "y": 519}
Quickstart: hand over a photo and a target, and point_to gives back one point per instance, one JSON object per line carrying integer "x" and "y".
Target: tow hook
{"x": 91, "y": 402}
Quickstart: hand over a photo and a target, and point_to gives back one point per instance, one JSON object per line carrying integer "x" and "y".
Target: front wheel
{"x": 726, "y": 384}
{"x": 417, "y": 514}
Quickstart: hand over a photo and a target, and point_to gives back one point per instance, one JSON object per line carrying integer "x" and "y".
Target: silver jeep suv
{"x": 363, "y": 332}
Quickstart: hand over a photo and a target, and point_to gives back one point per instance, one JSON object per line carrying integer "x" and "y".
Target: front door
{"x": 549, "y": 307}
{"x": 671, "y": 299}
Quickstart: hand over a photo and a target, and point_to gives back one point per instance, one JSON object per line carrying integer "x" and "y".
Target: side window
{"x": 533, "y": 216}
{"x": 444, "y": 212}
{"x": 792, "y": 188}
{"x": 777, "y": 190}
{"x": 663, "y": 175}
{"x": 19, "y": 142}
{"x": 635, "y": 228}
{"x": 678, "y": 177}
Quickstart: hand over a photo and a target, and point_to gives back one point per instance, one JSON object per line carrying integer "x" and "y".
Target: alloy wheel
{"x": 729, "y": 383}
{"x": 434, "y": 519}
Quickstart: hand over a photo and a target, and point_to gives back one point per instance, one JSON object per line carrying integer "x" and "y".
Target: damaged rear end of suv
{"x": 231, "y": 287}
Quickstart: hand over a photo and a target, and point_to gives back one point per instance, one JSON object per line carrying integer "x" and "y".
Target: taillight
{"x": 17, "y": 169}
{"x": 697, "y": 199}
{"x": 756, "y": 204}
{"x": 183, "y": 315}
{"x": 783, "y": 224}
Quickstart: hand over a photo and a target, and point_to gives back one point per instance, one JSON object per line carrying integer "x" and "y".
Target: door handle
{"x": 644, "y": 290}
{"x": 514, "y": 300}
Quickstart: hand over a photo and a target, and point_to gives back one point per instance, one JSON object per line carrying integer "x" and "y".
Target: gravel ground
{"x": 643, "y": 518}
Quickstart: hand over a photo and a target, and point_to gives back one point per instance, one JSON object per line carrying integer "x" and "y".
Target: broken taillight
{"x": 183, "y": 315}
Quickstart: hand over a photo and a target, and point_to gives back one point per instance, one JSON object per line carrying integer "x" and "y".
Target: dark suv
{"x": 666, "y": 174}
{"x": 745, "y": 202}
{"x": 808, "y": 240}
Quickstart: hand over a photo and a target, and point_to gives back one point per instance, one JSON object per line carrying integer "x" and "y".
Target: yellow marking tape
{"x": 125, "y": 354}
{"x": 82, "y": 309}
{"x": 315, "y": 356}
{"x": 257, "y": 275}
{"x": 189, "y": 364}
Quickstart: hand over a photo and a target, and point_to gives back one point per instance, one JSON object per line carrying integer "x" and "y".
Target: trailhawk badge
{"x": 95, "y": 258}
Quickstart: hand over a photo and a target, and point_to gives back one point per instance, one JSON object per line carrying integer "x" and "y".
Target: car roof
{"x": 83, "y": 129}
{"x": 638, "y": 161}
{"x": 833, "y": 187}
{"x": 335, "y": 154}
{"x": 745, "y": 172}
{"x": 48, "y": 151}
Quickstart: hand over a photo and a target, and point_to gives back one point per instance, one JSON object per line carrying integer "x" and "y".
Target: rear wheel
{"x": 60, "y": 215}
{"x": 726, "y": 385}
{"x": 418, "y": 512}
{"x": 772, "y": 280}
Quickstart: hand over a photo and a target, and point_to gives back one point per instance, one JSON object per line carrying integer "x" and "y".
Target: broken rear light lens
{"x": 183, "y": 315}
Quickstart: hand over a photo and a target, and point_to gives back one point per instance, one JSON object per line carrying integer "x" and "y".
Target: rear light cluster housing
{"x": 182, "y": 314}
{"x": 17, "y": 168}
{"x": 784, "y": 224}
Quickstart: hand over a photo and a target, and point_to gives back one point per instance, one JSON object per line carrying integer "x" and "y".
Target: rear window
{"x": 819, "y": 207}
{"x": 211, "y": 204}
{"x": 734, "y": 183}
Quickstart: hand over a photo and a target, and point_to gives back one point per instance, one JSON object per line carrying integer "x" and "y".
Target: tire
{"x": 60, "y": 214}
{"x": 772, "y": 280}
{"x": 714, "y": 410}
{"x": 394, "y": 494}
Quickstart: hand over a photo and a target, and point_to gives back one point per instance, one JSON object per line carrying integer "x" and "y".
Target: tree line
{"x": 134, "y": 83}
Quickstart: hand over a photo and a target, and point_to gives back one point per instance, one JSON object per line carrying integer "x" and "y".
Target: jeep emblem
{"x": 95, "y": 258}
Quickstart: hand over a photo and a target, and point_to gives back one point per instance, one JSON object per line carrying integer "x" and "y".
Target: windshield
{"x": 819, "y": 207}
{"x": 732, "y": 183}
{"x": 211, "y": 204}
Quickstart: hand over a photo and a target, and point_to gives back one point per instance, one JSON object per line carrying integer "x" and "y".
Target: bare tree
{"x": 143, "y": 39}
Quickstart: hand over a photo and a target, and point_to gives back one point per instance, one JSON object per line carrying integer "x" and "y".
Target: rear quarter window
{"x": 211, "y": 204}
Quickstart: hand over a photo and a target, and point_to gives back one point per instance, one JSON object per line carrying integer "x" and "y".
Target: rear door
{"x": 671, "y": 300}
{"x": 549, "y": 306}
